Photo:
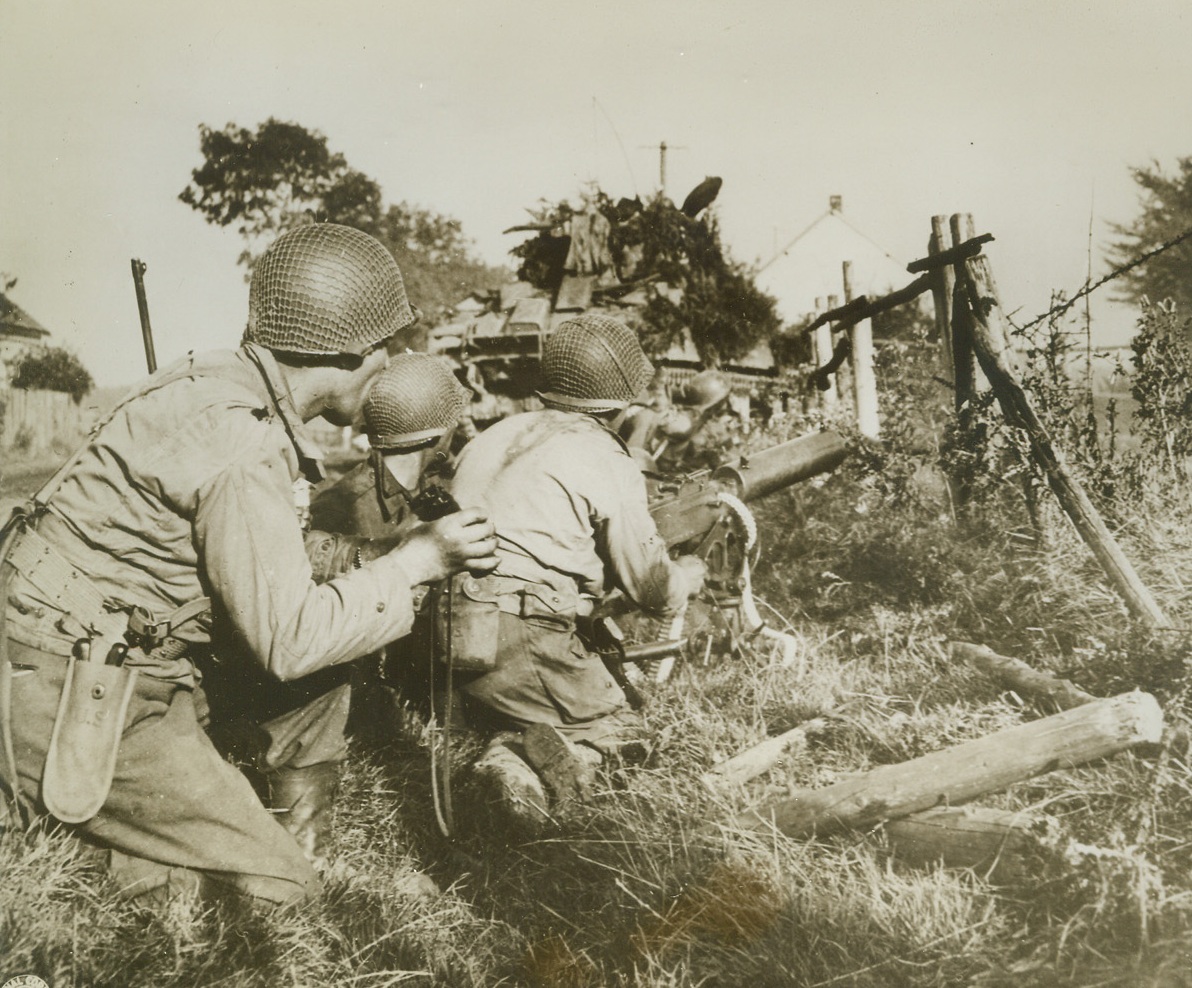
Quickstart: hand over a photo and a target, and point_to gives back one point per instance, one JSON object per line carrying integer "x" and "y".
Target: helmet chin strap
{"x": 388, "y": 486}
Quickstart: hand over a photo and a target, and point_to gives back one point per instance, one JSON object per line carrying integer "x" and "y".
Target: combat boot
{"x": 511, "y": 789}
{"x": 568, "y": 769}
{"x": 302, "y": 800}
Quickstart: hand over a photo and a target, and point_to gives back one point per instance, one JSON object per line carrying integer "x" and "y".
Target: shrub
{"x": 53, "y": 369}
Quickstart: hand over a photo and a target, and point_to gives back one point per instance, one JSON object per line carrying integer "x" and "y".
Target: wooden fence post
{"x": 992, "y": 345}
{"x": 823, "y": 353}
{"x": 964, "y": 370}
{"x": 943, "y": 281}
{"x": 864, "y": 381}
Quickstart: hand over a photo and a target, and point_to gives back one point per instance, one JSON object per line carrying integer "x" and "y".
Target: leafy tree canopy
{"x": 692, "y": 281}
{"x": 266, "y": 181}
{"x": 53, "y": 369}
{"x": 1166, "y": 212}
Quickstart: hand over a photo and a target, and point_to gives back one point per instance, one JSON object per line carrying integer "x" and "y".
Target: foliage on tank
{"x": 677, "y": 260}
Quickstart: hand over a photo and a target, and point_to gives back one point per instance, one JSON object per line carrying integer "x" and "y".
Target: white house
{"x": 810, "y": 267}
{"x": 19, "y": 334}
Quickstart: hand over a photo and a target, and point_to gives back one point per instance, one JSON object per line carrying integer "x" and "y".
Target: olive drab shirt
{"x": 569, "y": 505}
{"x": 189, "y": 491}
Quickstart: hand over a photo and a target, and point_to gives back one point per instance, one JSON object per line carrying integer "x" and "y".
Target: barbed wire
{"x": 1057, "y": 310}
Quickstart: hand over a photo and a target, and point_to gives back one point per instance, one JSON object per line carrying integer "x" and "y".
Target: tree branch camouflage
{"x": 656, "y": 243}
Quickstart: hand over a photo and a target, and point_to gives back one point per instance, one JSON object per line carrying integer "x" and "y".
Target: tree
{"x": 266, "y": 181}
{"x": 53, "y": 369}
{"x": 1166, "y": 212}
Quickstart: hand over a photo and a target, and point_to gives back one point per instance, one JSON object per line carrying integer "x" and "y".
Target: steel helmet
{"x": 417, "y": 398}
{"x": 593, "y": 363}
{"x": 706, "y": 389}
{"x": 326, "y": 289}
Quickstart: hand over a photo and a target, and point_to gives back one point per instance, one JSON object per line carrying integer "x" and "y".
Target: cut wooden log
{"x": 762, "y": 757}
{"x": 1016, "y": 675}
{"x": 1001, "y": 846}
{"x": 962, "y": 773}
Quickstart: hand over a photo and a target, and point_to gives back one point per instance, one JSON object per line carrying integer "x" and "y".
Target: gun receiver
{"x": 689, "y": 508}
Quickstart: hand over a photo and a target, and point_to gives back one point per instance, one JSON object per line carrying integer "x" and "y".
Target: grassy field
{"x": 873, "y": 572}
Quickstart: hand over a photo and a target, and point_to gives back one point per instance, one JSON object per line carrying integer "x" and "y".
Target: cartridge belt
{"x": 69, "y": 590}
{"x": 519, "y": 597}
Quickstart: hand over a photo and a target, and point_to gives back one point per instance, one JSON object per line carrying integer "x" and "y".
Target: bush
{"x": 53, "y": 369}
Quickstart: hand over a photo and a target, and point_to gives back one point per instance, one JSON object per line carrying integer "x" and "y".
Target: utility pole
{"x": 663, "y": 147}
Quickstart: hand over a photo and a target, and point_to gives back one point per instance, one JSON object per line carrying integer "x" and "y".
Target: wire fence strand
{"x": 1057, "y": 310}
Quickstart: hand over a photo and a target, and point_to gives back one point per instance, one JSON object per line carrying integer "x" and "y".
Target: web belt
{"x": 70, "y": 590}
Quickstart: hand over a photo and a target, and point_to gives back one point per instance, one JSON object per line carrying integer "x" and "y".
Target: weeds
{"x": 872, "y": 571}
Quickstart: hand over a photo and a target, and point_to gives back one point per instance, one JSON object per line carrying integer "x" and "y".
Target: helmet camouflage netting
{"x": 593, "y": 363}
{"x": 415, "y": 399}
{"x": 326, "y": 289}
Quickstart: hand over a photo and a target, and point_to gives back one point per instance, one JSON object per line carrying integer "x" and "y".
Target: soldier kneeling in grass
{"x": 175, "y": 531}
{"x": 570, "y": 509}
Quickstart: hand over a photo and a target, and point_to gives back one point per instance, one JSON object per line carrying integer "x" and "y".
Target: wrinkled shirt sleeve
{"x": 252, "y": 550}
{"x": 636, "y": 553}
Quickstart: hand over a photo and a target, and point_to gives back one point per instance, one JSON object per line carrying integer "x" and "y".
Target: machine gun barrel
{"x": 757, "y": 475}
{"x": 689, "y": 509}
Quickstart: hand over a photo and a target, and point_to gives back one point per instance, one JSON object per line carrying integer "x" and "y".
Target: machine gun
{"x": 706, "y": 514}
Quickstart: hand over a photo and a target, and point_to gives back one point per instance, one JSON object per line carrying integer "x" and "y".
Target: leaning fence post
{"x": 991, "y": 342}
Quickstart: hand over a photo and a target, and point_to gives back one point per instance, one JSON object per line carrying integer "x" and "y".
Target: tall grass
{"x": 873, "y": 571}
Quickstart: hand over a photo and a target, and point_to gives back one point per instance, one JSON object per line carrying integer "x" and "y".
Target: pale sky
{"x": 1026, "y": 114}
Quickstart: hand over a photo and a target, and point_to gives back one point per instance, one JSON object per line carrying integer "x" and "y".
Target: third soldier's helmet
{"x": 593, "y": 363}
{"x": 416, "y": 399}
{"x": 326, "y": 289}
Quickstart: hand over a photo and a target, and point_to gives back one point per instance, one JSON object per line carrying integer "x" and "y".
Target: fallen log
{"x": 1016, "y": 675}
{"x": 964, "y": 772}
{"x": 1001, "y": 846}
{"x": 762, "y": 757}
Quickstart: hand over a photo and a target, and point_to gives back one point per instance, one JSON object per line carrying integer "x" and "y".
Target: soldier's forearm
{"x": 333, "y": 555}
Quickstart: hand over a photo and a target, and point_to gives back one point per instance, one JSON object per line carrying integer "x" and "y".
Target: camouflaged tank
{"x": 578, "y": 260}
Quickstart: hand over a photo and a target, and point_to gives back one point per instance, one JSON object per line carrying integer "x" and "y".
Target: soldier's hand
{"x": 434, "y": 550}
{"x": 694, "y": 571}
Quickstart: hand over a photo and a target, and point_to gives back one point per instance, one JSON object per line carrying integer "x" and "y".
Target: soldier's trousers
{"x": 176, "y": 807}
{"x": 546, "y": 675}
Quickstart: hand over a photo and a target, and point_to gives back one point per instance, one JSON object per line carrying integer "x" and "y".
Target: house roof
{"x": 15, "y": 321}
{"x": 810, "y": 266}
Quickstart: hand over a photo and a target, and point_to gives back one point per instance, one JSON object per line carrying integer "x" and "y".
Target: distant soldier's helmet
{"x": 706, "y": 389}
{"x": 593, "y": 363}
{"x": 326, "y": 289}
{"x": 415, "y": 400}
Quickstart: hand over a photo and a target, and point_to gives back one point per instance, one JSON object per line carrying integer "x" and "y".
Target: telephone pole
{"x": 663, "y": 147}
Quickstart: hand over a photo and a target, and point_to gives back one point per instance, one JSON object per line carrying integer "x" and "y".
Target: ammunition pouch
{"x": 81, "y": 759}
{"x": 470, "y": 621}
{"x": 467, "y": 621}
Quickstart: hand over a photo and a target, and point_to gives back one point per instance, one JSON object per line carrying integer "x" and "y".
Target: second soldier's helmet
{"x": 593, "y": 363}
{"x": 706, "y": 389}
{"x": 415, "y": 400}
{"x": 326, "y": 289}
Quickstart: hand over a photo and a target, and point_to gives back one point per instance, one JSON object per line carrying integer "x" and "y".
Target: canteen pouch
{"x": 85, "y": 740}
{"x": 469, "y": 622}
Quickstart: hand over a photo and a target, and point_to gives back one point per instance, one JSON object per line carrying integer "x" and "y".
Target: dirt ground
{"x": 20, "y": 478}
